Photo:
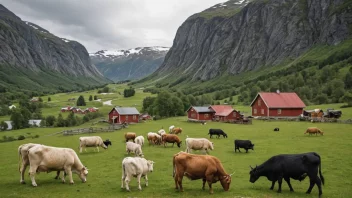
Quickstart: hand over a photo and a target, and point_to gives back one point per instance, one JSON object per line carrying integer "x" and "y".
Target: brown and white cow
{"x": 154, "y": 138}
{"x": 177, "y": 130}
{"x": 91, "y": 141}
{"x": 314, "y": 130}
{"x": 46, "y": 159}
{"x": 205, "y": 167}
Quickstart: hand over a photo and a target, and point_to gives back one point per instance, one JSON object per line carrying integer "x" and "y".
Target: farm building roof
{"x": 127, "y": 110}
{"x": 202, "y": 109}
{"x": 280, "y": 100}
{"x": 222, "y": 110}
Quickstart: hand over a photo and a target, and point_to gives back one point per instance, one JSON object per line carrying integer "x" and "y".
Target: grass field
{"x": 104, "y": 179}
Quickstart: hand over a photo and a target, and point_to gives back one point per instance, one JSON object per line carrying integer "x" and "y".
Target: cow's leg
{"x": 57, "y": 175}
{"x": 123, "y": 178}
{"x": 287, "y": 179}
{"x": 179, "y": 181}
{"x": 98, "y": 148}
{"x": 210, "y": 182}
{"x": 80, "y": 149}
{"x": 146, "y": 180}
{"x": 239, "y": 149}
{"x": 63, "y": 176}
{"x": 176, "y": 180}
{"x": 280, "y": 183}
{"x": 204, "y": 180}
{"x": 318, "y": 182}
{"x": 312, "y": 182}
{"x": 246, "y": 150}
{"x": 32, "y": 171}
{"x": 127, "y": 180}
{"x": 272, "y": 185}
{"x": 22, "y": 170}
{"x": 139, "y": 181}
{"x": 69, "y": 172}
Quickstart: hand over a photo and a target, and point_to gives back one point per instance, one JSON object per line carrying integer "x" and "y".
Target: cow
{"x": 177, "y": 130}
{"x": 205, "y": 167}
{"x": 171, "y": 127}
{"x": 286, "y": 166}
{"x": 312, "y": 130}
{"x": 130, "y": 136}
{"x": 199, "y": 144}
{"x": 46, "y": 159}
{"x": 217, "y": 132}
{"x": 107, "y": 143}
{"x": 171, "y": 138}
{"x": 135, "y": 148}
{"x": 161, "y": 132}
{"x": 91, "y": 141}
{"x": 154, "y": 138}
{"x": 246, "y": 144}
{"x": 135, "y": 167}
{"x": 139, "y": 140}
{"x": 276, "y": 129}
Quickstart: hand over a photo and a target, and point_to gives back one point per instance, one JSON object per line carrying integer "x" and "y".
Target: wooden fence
{"x": 111, "y": 128}
{"x": 306, "y": 119}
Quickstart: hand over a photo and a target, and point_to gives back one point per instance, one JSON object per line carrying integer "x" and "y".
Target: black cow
{"x": 286, "y": 166}
{"x": 107, "y": 142}
{"x": 217, "y": 132}
{"x": 276, "y": 129}
{"x": 246, "y": 144}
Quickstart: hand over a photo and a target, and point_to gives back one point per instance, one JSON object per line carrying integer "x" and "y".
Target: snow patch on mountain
{"x": 138, "y": 50}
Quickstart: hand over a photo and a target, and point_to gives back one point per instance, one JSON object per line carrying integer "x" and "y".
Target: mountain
{"x": 239, "y": 36}
{"x": 31, "y": 58}
{"x": 120, "y": 65}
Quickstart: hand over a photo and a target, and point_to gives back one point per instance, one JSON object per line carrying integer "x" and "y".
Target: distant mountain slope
{"x": 129, "y": 64}
{"x": 32, "y": 58}
{"x": 242, "y": 35}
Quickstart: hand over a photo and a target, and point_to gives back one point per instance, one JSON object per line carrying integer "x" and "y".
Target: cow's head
{"x": 179, "y": 144}
{"x": 254, "y": 174}
{"x": 107, "y": 142}
{"x": 251, "y": 146}
{"x": 225, "y": 182}
{"x": 211, "y": 146}
{"x": 224, "y": 135}
{"x": 83, "y": 174}
{"x": 150, "y": 165}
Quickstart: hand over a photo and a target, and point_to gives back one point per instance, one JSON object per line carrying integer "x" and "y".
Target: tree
{"x": 40, "y": 99}
{"x": 50, "y": 120}
{"x": 163, "y": 105}
{"x": 348, "y": 80}
{"x": 49, "y": 99}
{"x": 26, "y": 116}
{"x": 348, "y": 98}
{"x": 128, "y": 92}
{"x": 177, "y": 106}
{"x": 3, "y": 126}
{"x": 185, "y": 101}
{"x": 60, "y": 121}
{"x": 106, "y": 89}
{"x": 95, "y": 97}
{"x": 147, "y": 104}
{"x": 80, "y": 101}
{"x": 71, "y": 120}
{"x": 90, "y": 98}
{"x": 16, "y": 119}
{"x": 321, "y": 98}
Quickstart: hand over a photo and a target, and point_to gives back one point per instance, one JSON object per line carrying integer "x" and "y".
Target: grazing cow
{"x": 91, "y": 141}
{"x": 276, "y": 129}
{"x": 46, "y": 159}
{"x": 312, "y": 130}
{"x": 161, "y": 132}
{"x": 202, "y": 144}
{"x": 217, "y": 132}
{"x": 135, "y": 148}
{"x": 107, "y": 143}
{"x": 205, "y": 167}
{"x": 171, "y": 127}
{"x": 246, "y": 144}
{"x": 286, "y": 166}
{"x": 171, "y": 138}
{"x": 177, "y": 130}
{"x": 135, "y": 167}
{"x": 139, "y": 140}
{"x": 154, "y": 138}
{"x": 130, "y": 136}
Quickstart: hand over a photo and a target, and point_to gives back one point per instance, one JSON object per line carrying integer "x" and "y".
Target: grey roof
{"x": 127, "y": 110}
{"x": 203, "y": 110}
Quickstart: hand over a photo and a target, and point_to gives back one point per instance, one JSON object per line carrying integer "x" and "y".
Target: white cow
{"x": 135, "y": 148}
{"x": 91, "y": 141}
{"x": 135, "y": 167}
{"x": 139, "y": 140}
{"x": 46, "y": 159}
{"x": 199, "y": 144}
{"x": 161, "y": 132}
{"x": 171, "y": 127}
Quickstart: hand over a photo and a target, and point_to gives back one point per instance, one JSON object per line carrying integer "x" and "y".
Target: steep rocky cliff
{"x": 243, "y": 35}
{"x": 129, "y": 64}
{"x": 29, "y": 48}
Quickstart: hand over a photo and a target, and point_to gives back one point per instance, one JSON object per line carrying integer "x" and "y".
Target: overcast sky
{"x": 110, "y": 24}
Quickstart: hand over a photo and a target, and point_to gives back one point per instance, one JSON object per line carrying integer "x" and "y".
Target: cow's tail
{"x": 19, "y": 158}
{"x": 320, "y": 175}
{"x": 174, "y": 167}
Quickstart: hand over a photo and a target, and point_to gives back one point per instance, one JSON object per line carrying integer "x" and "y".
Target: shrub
{"x": 21, "y": 137}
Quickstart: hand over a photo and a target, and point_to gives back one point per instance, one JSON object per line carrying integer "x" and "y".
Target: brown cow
{"x": 153, "y": 138}
{"x": 205, "y": 167}
{"x": 171, "y": 138}
{"x": 177, "y": 130}
{"x": 130, "y": 136}
{"x": 312, "y": 130}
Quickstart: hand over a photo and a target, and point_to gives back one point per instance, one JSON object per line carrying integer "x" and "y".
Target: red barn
{"x": 225, "y": 113}
{"x": 200, "y": 113}
{"x": 277, "y": 104}
{"x": 124, "y": 114}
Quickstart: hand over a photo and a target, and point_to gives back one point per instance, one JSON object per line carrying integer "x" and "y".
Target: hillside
{"x": 120, "y": 65}
{"x": 31, "y": 58}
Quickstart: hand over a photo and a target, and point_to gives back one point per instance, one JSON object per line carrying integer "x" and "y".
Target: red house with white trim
{"x": 120, "y": 115}
{"x": 268, "y": 104}
{"x": 225, "y": 113}
{"x": 200, "y": 113}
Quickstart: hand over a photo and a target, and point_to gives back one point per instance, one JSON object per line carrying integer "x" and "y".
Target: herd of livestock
{"x": 43, "y": 158}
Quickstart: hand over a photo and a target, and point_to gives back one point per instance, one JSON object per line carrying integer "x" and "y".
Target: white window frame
{"x": 279, "y": 111}
{"x": 262, "y": 111}
{"x": 255, "y": 111}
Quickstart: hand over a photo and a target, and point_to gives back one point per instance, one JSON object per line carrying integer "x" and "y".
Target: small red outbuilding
{"x": 120, "y": 115}
{"x": 286, "y": 104}
{"x": 200, "y": 113}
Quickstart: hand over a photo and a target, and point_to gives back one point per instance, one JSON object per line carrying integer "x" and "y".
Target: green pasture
{"x": 104, "y": 179}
